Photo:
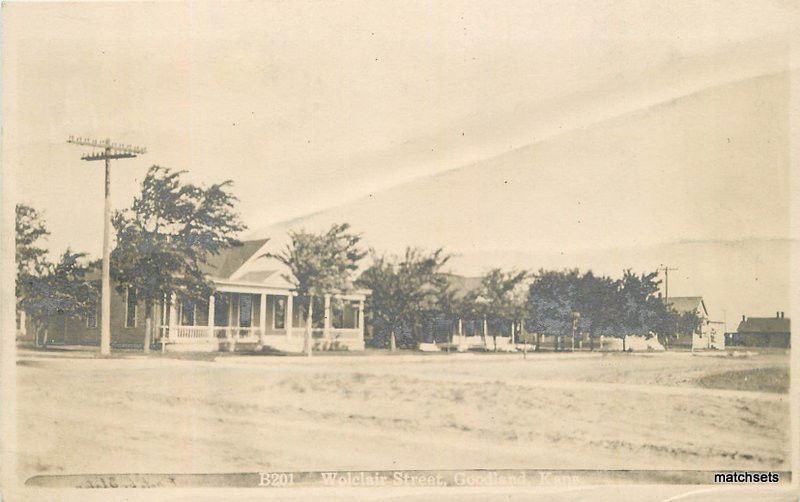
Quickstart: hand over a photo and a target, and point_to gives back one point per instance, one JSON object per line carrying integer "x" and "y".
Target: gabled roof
{"x": 229, "y": 260}
{"x": 764, "y": 325}
{"x": 682, "y": 304}
{"x": 461, "y": 285}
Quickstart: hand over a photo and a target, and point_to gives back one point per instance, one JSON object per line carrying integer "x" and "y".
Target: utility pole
{"x": 666, "y": 269}
{"x": 109, "y": 151}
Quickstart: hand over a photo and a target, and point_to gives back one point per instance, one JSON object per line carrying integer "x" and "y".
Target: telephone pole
{"x": 108, "y": 151}
{"x": 666, "y": 269}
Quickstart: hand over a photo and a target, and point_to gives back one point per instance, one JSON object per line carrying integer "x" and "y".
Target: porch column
{"x": 262, "y": 318}
{"x": 211, "y": 313}
{"x": 288, "y": 317}
{"x": 460, "y": 332}
{"x": 233, "y": 334}
{"x": 23, "y": 330}
{"x": 173, "y": 315}
{"x": 327, "y": 319}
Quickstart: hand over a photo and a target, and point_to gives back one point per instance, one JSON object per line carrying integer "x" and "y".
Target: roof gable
{"x": 682, "y": 304}
{"x": 462, "y": 286}
{"x": 224, "y": 264}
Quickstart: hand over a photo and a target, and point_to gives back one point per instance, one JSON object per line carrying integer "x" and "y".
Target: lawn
{"x": 249, "y": 413}
{"x": 769, "y": 379}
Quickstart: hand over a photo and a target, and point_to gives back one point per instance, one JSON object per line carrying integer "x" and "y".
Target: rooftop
{"x": 461, "y": 285}
{"x": 764, "y": 325}
{"x": 231, "y": 259}
{"x": 683, "y": 304}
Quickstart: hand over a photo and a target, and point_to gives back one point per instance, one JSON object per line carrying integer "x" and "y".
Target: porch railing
{"x": 192, "y": 334}
{"x": 185, "y": 334}
{"x": 200, "y": 334}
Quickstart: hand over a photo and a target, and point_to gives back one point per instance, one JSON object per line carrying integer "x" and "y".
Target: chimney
{"x": 778, "y": 315}
{"x": 744, "y": 318}
{"x": 781, "y": 314}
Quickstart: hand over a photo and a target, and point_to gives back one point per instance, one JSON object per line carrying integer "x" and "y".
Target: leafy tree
{"x": 555, "y": 295}
{"x": 551, "y": 301}
{"x": 688, "y": 323}
{"x": 643, "y": 312}
{"x": 320, "y": 263}
{"x": 450, "y": 303}
{"x": 678, "y": 323}
{"x": 62, "y": 289}
{"x": 501, "y": 296}
{"x": 405, "y": 290}
{"x": 599, "y": 306}
{"x": 168, "y": 234}
{"x": 31, "y": 258}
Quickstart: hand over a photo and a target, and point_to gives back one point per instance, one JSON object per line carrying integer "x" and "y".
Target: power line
{"x": 109, "y": 151}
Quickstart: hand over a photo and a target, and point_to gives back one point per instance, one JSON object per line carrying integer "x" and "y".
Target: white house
{"x": 254, "y": 304}
{"x": 711, "y": 334}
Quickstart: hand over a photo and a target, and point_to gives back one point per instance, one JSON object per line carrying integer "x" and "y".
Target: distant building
{"x": 762, "y": 332}
{"x": 710, "y": 334}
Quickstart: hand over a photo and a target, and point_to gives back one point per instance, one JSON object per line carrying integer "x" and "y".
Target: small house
{"x": 763, "y": 332}
{"x": 710, "y": 334}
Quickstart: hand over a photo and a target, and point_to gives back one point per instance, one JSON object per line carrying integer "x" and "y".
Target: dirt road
{"x": 238, "y": 413}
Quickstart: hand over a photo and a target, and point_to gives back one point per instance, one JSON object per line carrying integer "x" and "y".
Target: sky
{"x": 314, "y": 107}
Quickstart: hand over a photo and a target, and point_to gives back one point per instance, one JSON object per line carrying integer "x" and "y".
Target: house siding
{"x": 74, "y": 331}
{"x": 780, "y": 340}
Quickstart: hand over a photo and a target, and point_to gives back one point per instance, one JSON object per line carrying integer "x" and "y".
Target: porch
{"x": 250, "y": 317}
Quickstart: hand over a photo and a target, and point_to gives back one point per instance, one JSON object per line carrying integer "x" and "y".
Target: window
{"x": 130, "y": 308}
{"x": 221, "y": 306}
{"x": 245, "y": 311}
{"x": 300, "y": 312}
{"x": 299, "y": 307}
{"x": 344, "y": 313}
{"x": 91, "y": 319}
{"x": 279, "y": 313}
{"x": 188, "y": 311}
{"x": 165, "y": 304}
{"x": 318, "y": 314}
{"x": 356, "y": 307}
{"x": 337, "y": 313}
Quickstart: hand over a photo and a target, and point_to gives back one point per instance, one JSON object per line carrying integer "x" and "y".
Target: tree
{"x": 320, "y": 263}
{"x": 31, "y": 258}
{"x": 62, "y": 289}
{"x": 500, "y": 296}
{"x": 628, "y": 306}
{"x": 643, "y": 312}
{"x": 688, "y": 323}
{"x": 678, "y": 323}
{"x": 552, "y": 297}
{"x": 168, "y": 234}
{"x": 450, "y": 303}
{"x": 598, "y": 305}
{"x": 404, "y": 289}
